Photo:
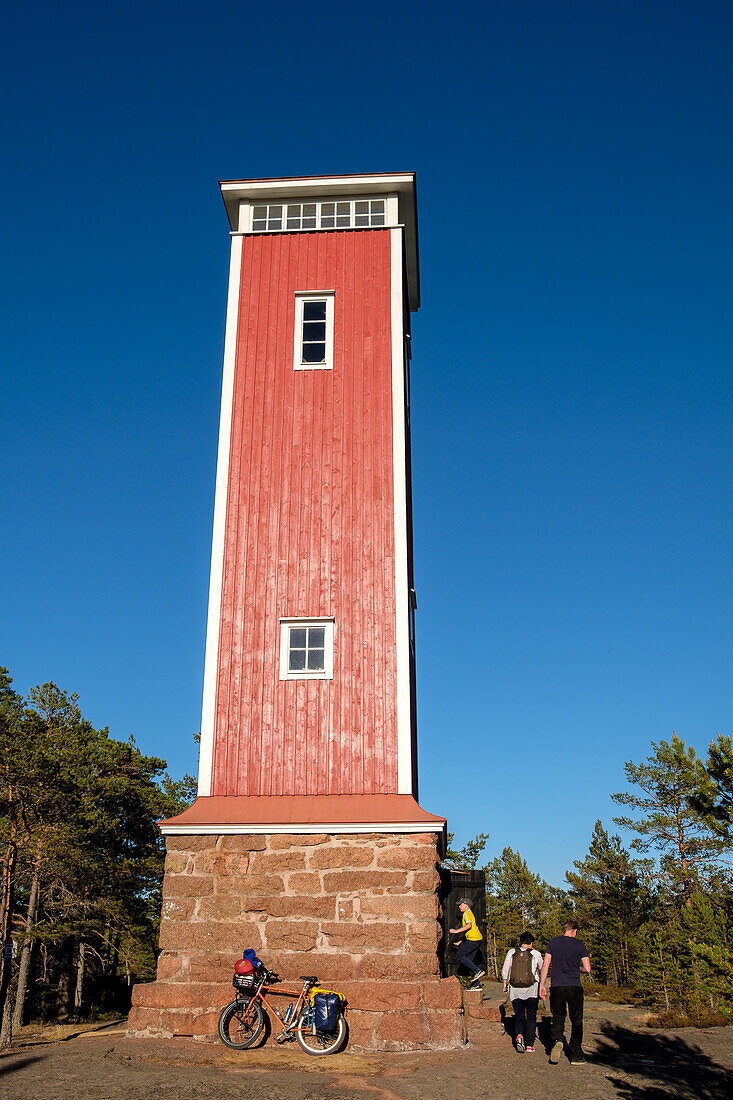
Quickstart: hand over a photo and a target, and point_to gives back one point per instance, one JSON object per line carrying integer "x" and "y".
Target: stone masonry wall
{"x": 358, "y": 910}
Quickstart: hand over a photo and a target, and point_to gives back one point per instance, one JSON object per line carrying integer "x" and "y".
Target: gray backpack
{"x": 521, "y": 976}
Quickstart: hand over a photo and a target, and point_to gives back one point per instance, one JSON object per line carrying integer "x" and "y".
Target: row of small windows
{"x": 344, "y": 214}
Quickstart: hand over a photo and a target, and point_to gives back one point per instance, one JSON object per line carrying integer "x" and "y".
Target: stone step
{"x": 476, "y": 1014}
{"x": 478, "y": 1010}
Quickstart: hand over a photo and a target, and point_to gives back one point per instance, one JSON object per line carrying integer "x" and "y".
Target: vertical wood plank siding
{"x": 309, "y": 528}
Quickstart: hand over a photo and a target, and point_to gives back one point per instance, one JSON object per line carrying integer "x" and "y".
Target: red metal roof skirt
{"x": 322, "y": 809}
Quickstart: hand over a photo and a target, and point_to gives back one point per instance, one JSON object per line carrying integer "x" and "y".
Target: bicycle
{"x": 244, "y": 1021}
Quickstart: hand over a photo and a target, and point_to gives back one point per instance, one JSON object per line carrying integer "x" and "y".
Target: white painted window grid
{"x": 324, "y": 214}
{"x": 313, "y": 339}
{"x": 306, "y": 649}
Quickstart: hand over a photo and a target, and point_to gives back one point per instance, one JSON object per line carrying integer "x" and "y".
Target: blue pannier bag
{"x": 326, "y": 1008}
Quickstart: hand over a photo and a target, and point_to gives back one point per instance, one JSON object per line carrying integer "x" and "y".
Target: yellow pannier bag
{"x": 316, "y": 989}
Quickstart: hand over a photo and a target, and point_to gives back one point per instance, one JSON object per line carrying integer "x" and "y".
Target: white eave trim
{"x": 305, "y": 830}
{"x": 326, "y": 185}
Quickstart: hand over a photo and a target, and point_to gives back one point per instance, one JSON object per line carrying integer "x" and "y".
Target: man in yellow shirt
{"x": 469, "y": 946}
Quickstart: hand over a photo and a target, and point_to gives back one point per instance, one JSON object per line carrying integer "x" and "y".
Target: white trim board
{"x": 213, "y": 625}
{"x": 399, "y": 467}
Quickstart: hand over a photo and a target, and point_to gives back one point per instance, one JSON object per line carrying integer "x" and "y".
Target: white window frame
{"x": 302, "y": 296}
{"x": 326, "y": 673}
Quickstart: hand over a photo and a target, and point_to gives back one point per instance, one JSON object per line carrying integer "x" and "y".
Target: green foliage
{"x": 609, "y": 904}
{"x": 668, "y": 822}
{"x": 714, "y": 802}
{"x": 680, "y": 957}
{"x": 81, "y": 809}
{"x": 465, "y": 858}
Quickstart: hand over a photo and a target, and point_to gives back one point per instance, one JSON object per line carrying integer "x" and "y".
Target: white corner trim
{"x": 311, "y": 827}
{"x": 211, "y": 659}
{"x": 399, "y": 467}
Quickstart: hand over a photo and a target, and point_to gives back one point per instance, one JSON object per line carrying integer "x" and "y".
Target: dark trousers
{"x": 570, "y": 998}
{"x": 466, "y": 955}
{"x": 525, "y": 1018}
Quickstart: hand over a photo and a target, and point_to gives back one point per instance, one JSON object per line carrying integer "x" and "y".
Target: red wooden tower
{"x": 308, "y": 763}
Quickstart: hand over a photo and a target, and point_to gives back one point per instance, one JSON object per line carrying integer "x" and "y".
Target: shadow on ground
{"x": 656, "y": 1067}
{"x": 10, "y": 1063}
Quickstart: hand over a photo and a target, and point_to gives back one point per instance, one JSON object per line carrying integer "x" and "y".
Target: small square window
{"x": 313, "y": 340}
{"x": 377, "y": 212}
{"x": 306, "y": 649}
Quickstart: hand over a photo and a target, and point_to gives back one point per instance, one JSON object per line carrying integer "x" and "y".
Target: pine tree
{"x": 669, "y": 823}
{"x": 610, "y": 905}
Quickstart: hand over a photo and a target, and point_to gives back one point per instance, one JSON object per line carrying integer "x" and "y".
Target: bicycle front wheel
{"x": 241, "y": 1024}
{"x": 323, "y": 1042}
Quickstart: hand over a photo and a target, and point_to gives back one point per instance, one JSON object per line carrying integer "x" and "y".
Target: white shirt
{"x": 521, "y": 993}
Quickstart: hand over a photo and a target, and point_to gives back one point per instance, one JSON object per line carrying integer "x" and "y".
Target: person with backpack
{"x": 470, "y": 946}
{"x": 521, "y": 975}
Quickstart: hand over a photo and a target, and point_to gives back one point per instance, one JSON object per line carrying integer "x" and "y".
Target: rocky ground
{"x": 626, "y": 1060}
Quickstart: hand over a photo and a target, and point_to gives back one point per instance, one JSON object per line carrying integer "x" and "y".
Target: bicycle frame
{"x": 284, "y": 1026}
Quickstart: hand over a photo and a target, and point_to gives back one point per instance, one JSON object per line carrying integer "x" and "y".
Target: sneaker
{"x": 520, "y": 1045}
{"x": 556, "y": 1052}
{"x": 578, "y": 1060}
{"x": 481, "y": 974}
{"x": 529, "y": 1050}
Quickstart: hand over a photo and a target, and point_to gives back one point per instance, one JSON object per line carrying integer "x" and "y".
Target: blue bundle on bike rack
{"x": 326, "y": 1007}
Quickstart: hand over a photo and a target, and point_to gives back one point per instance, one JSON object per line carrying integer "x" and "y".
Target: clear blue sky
{"x": 571, "y": 385}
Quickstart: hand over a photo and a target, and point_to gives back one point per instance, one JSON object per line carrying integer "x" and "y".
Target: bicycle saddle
{"x": 307, "y": 978}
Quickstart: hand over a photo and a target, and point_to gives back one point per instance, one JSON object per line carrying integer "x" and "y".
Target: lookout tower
{"x": 306, "y": 839}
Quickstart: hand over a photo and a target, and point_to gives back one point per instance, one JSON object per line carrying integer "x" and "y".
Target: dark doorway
{"x": 455, "y": 885}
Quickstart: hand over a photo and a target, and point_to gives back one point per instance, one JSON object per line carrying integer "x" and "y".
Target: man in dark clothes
{"x": 568, "y": 956}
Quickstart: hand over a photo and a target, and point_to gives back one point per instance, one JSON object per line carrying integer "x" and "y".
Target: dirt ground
{"x": 626, "y": 1060}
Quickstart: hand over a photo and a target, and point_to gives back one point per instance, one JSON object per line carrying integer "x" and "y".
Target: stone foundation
{"x": 359, "y": 910}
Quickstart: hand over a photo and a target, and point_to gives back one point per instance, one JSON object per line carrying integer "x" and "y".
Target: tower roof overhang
{"x": 309, "y": 188}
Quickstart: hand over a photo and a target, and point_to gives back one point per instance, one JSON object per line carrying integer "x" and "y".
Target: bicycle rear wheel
{"x": 241, "y": 1024}
{"x": 323, "y": 1042}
